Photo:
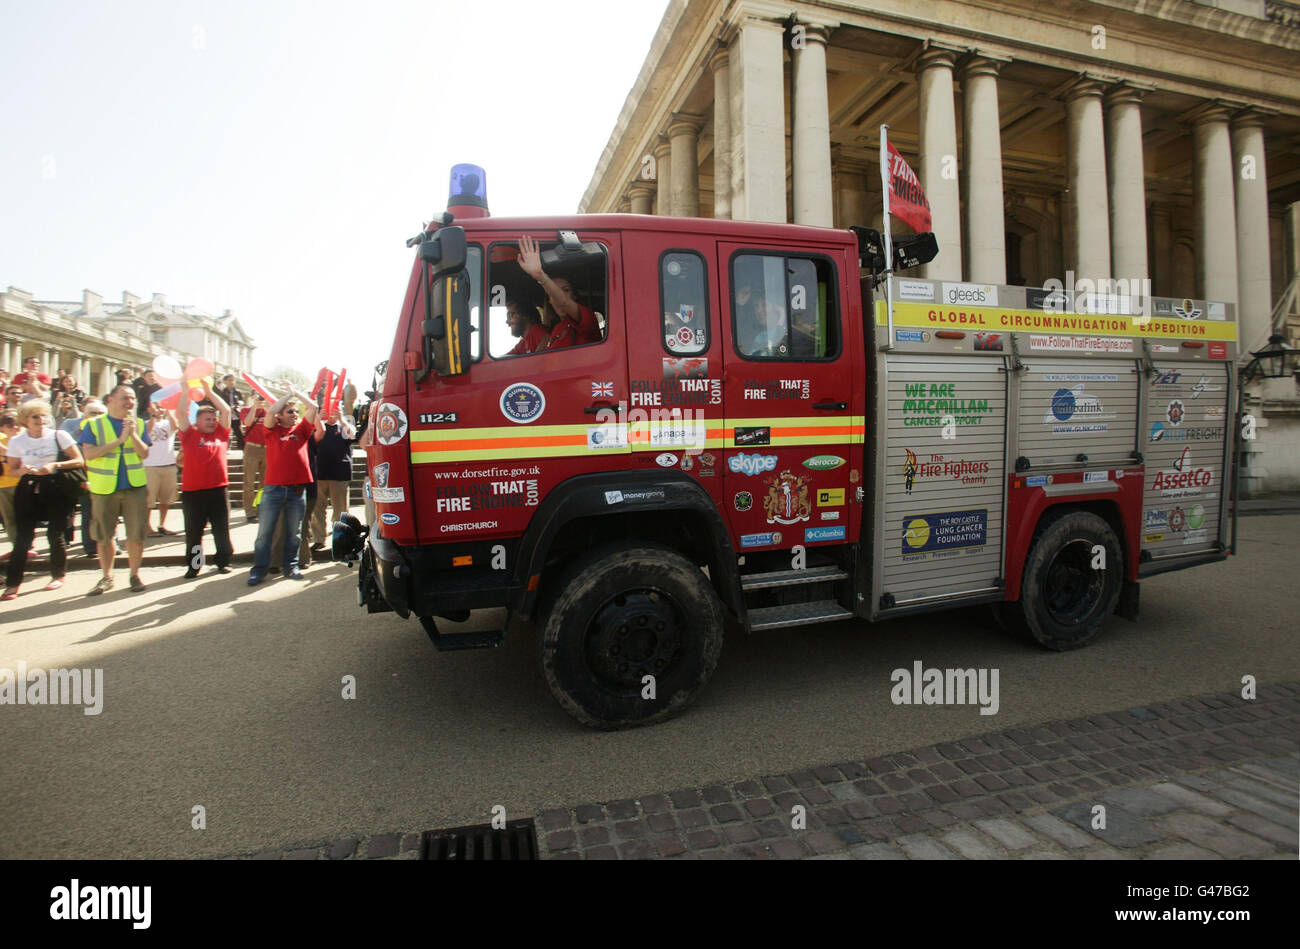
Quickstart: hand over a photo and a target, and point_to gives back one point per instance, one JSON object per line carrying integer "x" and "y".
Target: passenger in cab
{"x": 526, "y": 326}
{"x": 570, "y": 323}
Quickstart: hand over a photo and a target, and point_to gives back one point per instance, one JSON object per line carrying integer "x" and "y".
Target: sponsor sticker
{"x": 751, "y": 464}
{"x": 1196, "y": 537}
{"x": 387, "y": 495}
{"x": 812, "y": 535}
{"x": 830, "y": 515}
{"x": 914, "y": 290}
{"x": 1101, "y": 344}
{"x": 746, "y": 437}
{"x": 390, "y": 424}
{"x": 522, "y": 402}
{"x": 1214, "y": 412}
{"x": 777, "y": 389}
{"x": 1218, "y": 350}
{"x": 602, "y": 437}
{"x": 976, "y": 293}
{"x": 988, "y": 342}
{"x": 787, "y": 500}
{"x": 686, "y": 367}
{"x": 666, "y": 460}
{"x": 1093, "y": 477}
{"x": 743, "y": 501}
{"x": 910, "y": 336}
{"x": 1165, "y": 348}
{"x": 380, "y": 475}
{"x": 759, "y": 540}
{"x": 830, "y": 497}
{"x": 1075, "y": 406}
{"x": 1196, "y": 516}
{"x": 1036, "y": 481}
{"x": 1202, "y": 386}
{"x": 951, "y": 530}
{"x": 389, "y": 518}
{"x": 1188, "y": 310}
{"x": 1154, "y": 538}
{"x": 1175, "y": 412}
{"x": 613, "y": 497}
{"x": 1186, "y": 478}
{"x": 1216, "y": 311}
{"x": 602, "y": 390}
{"x": 823, "y": 462}
{"x": 707, "y": 462}
{"x": 1156, "y": 518}
{"x": 687, "y": 464}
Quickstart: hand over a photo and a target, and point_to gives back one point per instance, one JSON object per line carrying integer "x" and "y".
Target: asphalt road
{"x": 230, "y": 698}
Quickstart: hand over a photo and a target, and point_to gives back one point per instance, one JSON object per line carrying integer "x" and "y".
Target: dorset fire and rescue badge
{"x": 787, "y": 500}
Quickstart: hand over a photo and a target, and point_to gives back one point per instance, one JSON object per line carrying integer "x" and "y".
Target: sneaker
{"x": 11, "y": 593}
{"x": 54, "y": 584}
{"x": 295, "y": 575}
{"x": 223, "y": 570}
{"x": 191, "y": 573}
{"x": 254, "y": 578}
{"x": 105, "y": 583}
{"x": 137, "y": 586}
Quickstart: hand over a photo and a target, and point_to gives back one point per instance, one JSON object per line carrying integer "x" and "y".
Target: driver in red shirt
{"x": 571, "y": 323}
{"x": 522, "y": 319}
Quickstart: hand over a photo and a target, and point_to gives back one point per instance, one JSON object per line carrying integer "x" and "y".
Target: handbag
{"x": 69, "y": 483}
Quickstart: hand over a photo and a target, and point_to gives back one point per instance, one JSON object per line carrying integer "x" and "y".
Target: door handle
{"x": 597, "y": 409}
{"x": 831, "y": 406}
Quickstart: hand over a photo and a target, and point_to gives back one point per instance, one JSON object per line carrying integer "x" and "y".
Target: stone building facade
{"x": 92, "y": 339}
{"x": 1111, "y": 139}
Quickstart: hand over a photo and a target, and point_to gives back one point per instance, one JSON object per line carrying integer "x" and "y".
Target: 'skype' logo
{"x": 751, "y": 464}
{"x": 522, "y": 402}
{"x": 381, "y": 475}
{"x": 390, "y": 424}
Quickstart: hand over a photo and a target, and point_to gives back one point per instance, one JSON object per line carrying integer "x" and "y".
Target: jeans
{"x": 293, "y": 500}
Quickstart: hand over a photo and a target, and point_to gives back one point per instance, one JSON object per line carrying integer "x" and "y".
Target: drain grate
{"x": 516, "y": 841}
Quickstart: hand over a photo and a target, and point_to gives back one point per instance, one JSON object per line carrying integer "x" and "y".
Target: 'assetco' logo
{"x": 390, "y": 424}
{"x": 522, "y": 402}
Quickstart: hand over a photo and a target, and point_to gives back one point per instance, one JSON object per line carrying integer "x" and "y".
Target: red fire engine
{"x": 748, "y": 431}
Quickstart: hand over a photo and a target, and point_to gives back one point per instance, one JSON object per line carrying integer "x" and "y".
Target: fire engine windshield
{"x": 522, "y": 318}
{"x": 781, "y": 307}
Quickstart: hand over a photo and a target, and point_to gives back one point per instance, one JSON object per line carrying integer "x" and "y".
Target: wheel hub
{"x": 1071, "y": 587}
{"x": 632, "y": 635}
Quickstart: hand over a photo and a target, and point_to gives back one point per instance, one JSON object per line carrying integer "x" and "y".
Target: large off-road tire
{"x": 1063, "y": 600}
{"x": 622, "y": 612}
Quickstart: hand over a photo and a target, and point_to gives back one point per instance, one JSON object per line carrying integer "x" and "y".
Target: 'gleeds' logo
{"x": 1184, "y": 475}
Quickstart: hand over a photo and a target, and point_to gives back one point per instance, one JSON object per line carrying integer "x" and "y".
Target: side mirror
{"x": 444, "y": 250}
{"x": 871, "y": 248}
{"x": 446, "y": 329}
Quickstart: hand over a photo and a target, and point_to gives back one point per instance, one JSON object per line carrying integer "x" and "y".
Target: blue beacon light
{"x": 467, "y": 194}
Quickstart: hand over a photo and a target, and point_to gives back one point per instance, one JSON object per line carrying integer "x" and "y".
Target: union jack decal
{"x": 602, "y": 390}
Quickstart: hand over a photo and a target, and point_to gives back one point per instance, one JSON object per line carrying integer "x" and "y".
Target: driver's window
{"x": 521, "y": 319}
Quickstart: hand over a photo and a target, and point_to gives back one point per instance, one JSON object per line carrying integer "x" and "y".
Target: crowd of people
{"x": 125, "y": 460}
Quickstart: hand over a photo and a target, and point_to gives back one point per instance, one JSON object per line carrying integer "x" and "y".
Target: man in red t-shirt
{"x": 32, "y": 380}
{"x": 522, "y": 319}
{"x": 204, "y": 478}
{"x": 288, "y": 472}
{"x": 254, "y": 455}
{"x": 570, "y": 323}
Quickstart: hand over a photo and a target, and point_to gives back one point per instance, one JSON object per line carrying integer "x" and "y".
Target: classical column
{"x": 1216, "y": 223}
{"x": 1254, "y": 279}
{"x": 757, "y": 121}
{"x": 6, "y": 357}
{"x": 811, "y": 120}
{"x": 1087, "y": 181}
{"x": 938, "y": 161}
{"x": 107, "y": 377}
{"x": 720, "y": 65}
{"x": 684, "y": 134}
{"x": 1291, "y": 228}
{"x": 1126, "y": 175}
{"x": 851, "y": 189}
{"x": 663, "y": 177}
{"x": 642, "y": 195}
{"x": 985, "y": 219}
{"x": 1162, "y": 243}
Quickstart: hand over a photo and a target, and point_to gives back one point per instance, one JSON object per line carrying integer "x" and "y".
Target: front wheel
{"x": 632, "y": 636}
{"x": 1071, "y": 582}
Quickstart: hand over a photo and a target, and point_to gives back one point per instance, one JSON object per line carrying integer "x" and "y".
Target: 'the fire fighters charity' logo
{"x": 909, "y": 470}
{"x": 787, "y": 499}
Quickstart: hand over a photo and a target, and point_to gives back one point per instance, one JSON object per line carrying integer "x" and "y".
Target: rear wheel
{"x": 632, "y": 636}
{"x": 1071, "y": 583}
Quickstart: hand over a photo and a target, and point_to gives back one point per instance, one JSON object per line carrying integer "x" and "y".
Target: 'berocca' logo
{"x": 823, "y": 462}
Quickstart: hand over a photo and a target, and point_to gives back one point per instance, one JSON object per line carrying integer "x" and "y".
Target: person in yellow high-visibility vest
{"x": 114, "y": 446}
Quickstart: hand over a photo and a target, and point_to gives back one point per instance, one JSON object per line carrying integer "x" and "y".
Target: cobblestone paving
{"x": 1215, "y": 777}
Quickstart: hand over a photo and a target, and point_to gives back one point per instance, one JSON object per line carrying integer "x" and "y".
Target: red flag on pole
{"x": 907, "y": 200}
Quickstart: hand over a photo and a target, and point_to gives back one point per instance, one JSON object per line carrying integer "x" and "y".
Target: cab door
{"x": 791, "y": 432}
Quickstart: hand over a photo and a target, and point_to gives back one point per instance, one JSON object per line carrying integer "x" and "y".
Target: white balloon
{"x": 166, "y": 367}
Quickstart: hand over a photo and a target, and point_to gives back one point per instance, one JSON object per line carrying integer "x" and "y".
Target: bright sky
{"x": 272, "y": 157}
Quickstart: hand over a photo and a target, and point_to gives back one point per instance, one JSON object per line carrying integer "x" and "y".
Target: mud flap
{"x": 1127, "y": 607}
